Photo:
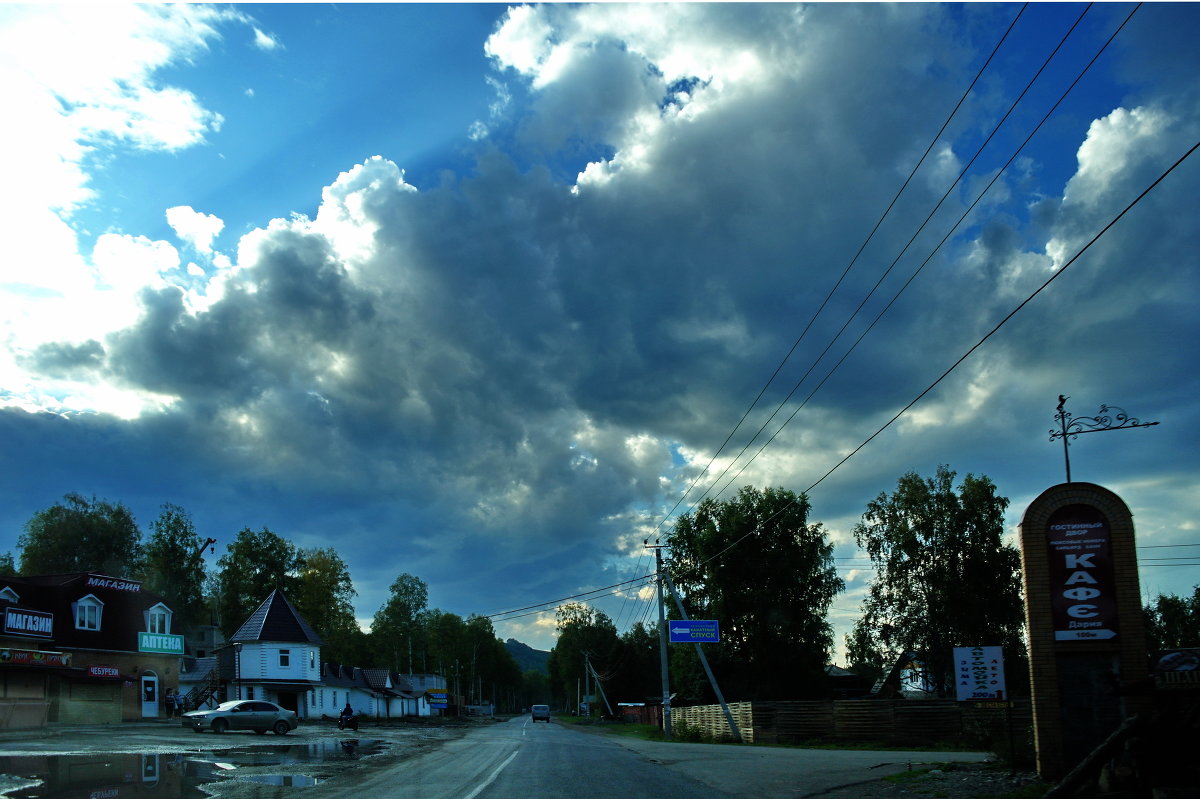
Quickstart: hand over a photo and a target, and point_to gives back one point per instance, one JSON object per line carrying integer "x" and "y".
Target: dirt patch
{"x": 952, "y": 781}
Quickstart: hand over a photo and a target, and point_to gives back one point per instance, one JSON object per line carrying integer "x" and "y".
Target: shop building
{"x": 84, "y": 648}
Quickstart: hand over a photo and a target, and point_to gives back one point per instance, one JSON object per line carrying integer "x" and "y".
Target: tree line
{"x": 942, "y": 576}
{"x": 405, "y": 635}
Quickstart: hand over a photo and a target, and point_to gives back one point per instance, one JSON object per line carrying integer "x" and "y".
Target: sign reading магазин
{"x": 1083, "y": 600}
{"x": 18, "y": 621}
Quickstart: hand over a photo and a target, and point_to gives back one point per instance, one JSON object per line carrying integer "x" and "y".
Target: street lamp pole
{"x": 1110, "y": 417}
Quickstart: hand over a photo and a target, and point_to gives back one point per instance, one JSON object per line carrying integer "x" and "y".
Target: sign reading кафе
{"x": 1082, "y": 589}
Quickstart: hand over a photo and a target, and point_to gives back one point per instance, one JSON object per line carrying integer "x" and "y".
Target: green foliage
{"x": 944, "y": 577}
{"x": 8, "y": 566}
{"x": 81, "y": 535}
{"x": 757, "y": 565}
{"x": 172, "y": 566}
{"x": 638, "y": 674}
{"x": 398, "y": 627}
{"x": 535, "y": 688}
{"x": 581, "y": 630}
{"x": 254, "y": 565}
{"x": 1173, "y": 621}
{"x": 324, "y": 596}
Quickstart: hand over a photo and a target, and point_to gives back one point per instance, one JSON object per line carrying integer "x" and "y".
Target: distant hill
{"x": 528, "y": 658}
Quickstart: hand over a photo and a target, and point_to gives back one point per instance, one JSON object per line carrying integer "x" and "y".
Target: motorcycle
{"x": 348, "y": 723}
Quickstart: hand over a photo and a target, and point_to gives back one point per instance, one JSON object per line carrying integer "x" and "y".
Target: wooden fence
{"x": 898, "y": 722}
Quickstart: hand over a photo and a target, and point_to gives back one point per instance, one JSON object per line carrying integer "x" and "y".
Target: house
{"x": 274, "y": 655}
{"x": 376, "y": 693}
{"x": 84, "y": 648}
{"x": 340, "y": 685}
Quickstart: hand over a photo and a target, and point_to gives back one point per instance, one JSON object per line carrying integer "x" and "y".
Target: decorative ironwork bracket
{"x": 1109, "y": 417}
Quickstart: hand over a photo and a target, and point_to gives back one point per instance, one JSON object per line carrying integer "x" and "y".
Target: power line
{"x": 1058, "y": 273}
{"x": 837, "y": 284}
{"x": 912, "y": 239}
{"x": 554, "y": 602}
{"x": 957, "y": 363}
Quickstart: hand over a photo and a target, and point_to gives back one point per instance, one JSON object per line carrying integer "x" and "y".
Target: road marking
{"x": 491, "y": 778}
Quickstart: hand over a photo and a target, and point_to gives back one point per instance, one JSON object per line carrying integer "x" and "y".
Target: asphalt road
{"x": 518, "y": 759}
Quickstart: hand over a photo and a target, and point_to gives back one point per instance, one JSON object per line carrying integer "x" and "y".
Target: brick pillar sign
{"x": 1083, "y": 614}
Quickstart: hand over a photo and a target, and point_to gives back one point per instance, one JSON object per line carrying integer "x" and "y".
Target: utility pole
{"x": 712, "y": 680}
{"x": 662, "y": 641}
{"x": 587, "y": 688}
{"x": 599, "y": 689}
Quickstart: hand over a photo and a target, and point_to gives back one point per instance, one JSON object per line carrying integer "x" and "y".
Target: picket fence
{"x": 896, "y": 722}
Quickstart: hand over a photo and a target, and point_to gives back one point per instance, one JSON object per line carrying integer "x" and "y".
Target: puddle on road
{"x": 171, "y": 776}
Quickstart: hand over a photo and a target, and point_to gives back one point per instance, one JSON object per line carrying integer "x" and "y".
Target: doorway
{"x": 149, "y": 696}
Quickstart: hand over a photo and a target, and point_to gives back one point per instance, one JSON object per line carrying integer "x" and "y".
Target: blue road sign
{"x": 694, "y": 632}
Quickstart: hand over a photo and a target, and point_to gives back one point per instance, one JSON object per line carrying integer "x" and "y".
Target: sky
{"x": 479, "y": 292}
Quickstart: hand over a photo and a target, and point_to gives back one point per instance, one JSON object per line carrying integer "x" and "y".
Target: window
{"x": 87, "y": 613}
{"x": 312, "y": 659}
{"x": 158, "y": 619}
{"x": 285, "y": 658}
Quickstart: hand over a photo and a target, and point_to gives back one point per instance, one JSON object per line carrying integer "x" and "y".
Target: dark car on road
{"x": 541, "y": 713}
{"x": 243, "y": 714}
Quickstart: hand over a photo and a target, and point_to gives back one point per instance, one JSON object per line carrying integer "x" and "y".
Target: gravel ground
{"x": 955, "y": 781}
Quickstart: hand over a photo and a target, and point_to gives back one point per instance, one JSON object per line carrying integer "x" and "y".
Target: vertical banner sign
{"x": 1082, "y": 589}
{"x": 979, "y": 673}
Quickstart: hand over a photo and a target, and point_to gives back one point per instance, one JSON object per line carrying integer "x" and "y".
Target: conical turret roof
{"x": 276, "y": 620}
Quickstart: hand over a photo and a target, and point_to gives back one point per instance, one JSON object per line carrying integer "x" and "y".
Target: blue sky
{"x": 475, "y": 292}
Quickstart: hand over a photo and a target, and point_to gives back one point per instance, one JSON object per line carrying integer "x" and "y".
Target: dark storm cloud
{"x": 59, "y": 359}
{"x": 513, "y": 364}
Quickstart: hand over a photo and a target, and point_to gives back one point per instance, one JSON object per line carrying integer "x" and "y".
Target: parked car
{"x": 243, "y": 714}
{"x": 541, "y": 713}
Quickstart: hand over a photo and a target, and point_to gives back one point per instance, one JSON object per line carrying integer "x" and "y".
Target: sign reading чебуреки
{"x": 1083, "y": 601}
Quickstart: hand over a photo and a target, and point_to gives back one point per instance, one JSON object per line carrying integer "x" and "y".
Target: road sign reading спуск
{"x": 694, "y": 632}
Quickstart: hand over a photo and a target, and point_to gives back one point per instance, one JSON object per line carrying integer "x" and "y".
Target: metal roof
{"x": 276, "y": 620}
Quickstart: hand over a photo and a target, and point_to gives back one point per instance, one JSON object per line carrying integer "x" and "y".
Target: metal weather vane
{"x": 1109, "y": 417}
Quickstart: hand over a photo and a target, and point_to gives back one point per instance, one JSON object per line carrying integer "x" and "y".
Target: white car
{"x": 243, "y": 714}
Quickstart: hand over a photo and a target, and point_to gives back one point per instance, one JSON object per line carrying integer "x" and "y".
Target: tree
{"x": 1173, "y": 621}
{"x": 944, "y": 577}
{"x": 172, "y": 566}
{"x": 637, "y": 676}
{"x": 582, "y": 630}
{"x": 8, "y": 566}
{"x": 81, "y": 535}
{"x": 254, "y": 565}
{"x": 396, "y": 628}
{"x": 324, "y": 596}
{"x": 756, "y": 565}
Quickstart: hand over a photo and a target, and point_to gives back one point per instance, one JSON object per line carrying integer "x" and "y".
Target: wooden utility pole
{"x": 662, "y": 643}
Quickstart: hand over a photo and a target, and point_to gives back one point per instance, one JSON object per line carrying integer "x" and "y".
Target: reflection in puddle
{"x": 171, "y": 776}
